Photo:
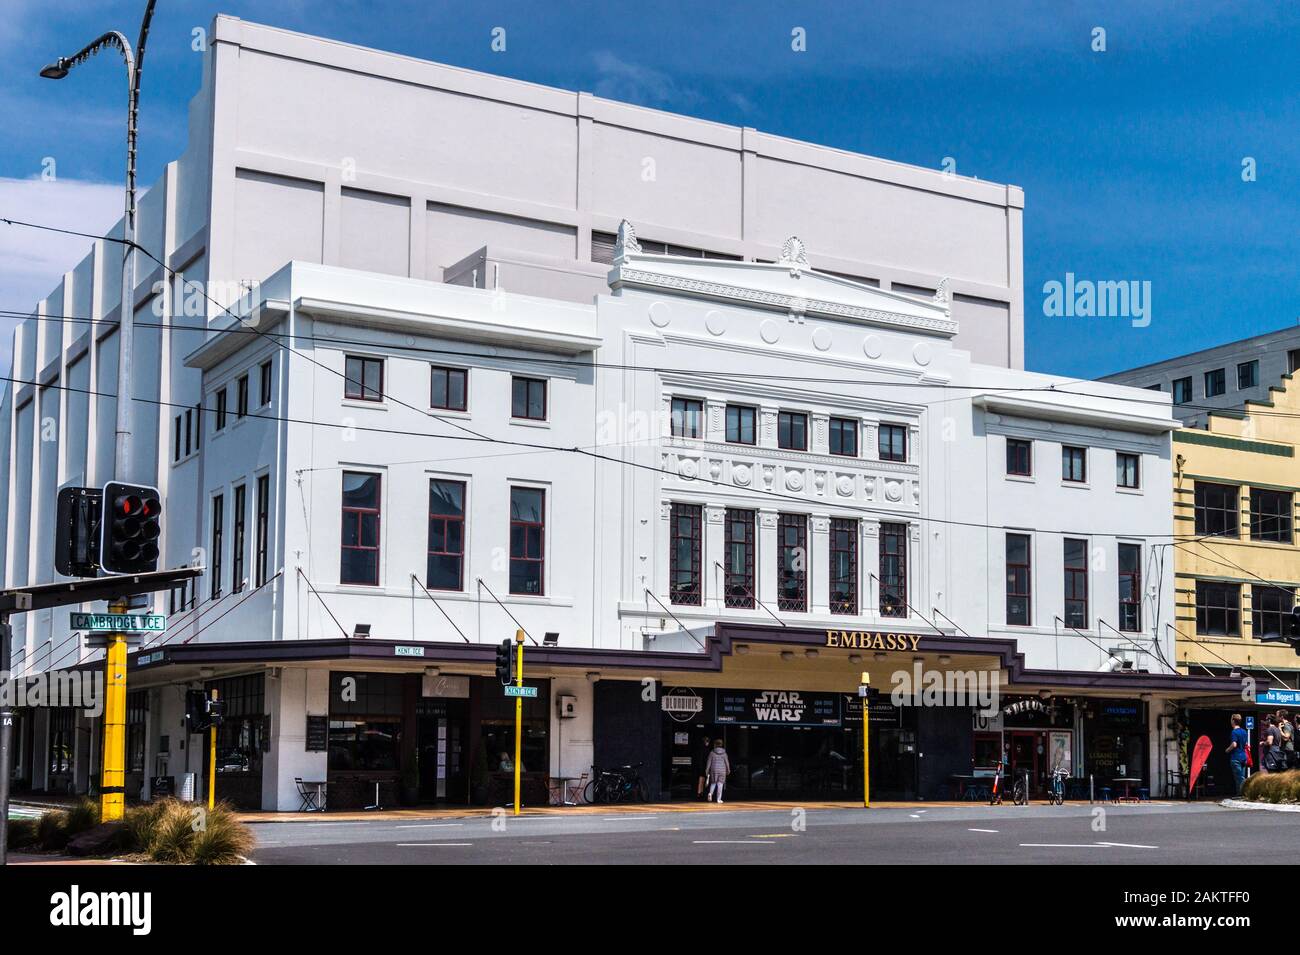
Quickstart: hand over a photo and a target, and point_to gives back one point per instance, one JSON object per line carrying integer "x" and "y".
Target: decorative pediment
{"x": 788, "y": 285}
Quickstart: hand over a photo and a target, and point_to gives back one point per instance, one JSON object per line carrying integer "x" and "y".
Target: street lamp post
{"x": 126, "y": 322}
{"x": 112, "y": 786}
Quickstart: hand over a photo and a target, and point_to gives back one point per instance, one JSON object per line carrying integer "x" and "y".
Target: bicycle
{"x": 1056, "y": 788}
{"x": 1020, "y": 791}
{"x": 616, "y": 785}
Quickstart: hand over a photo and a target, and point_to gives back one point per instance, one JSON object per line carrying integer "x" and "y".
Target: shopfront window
{"x": 62, "y": 723}
{"x": 137, "y": 712}
{"x": 365, "y": 722}
{"x": 243, "y": 730}
{"x": 497, "y": 729}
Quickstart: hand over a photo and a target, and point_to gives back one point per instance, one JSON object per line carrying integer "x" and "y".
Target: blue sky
{"x": 1131, "y": 159}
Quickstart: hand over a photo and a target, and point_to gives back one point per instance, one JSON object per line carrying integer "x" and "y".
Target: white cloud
{"x": 32, "y": 261}
{"x": 633, "y": 83}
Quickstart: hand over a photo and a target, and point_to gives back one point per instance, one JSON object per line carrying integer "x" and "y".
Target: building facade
{"x": 1223, "y": 377}
{"x": 404, "y": 395}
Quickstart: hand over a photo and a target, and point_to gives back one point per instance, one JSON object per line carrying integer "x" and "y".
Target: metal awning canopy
{"x": 67, "y": 592}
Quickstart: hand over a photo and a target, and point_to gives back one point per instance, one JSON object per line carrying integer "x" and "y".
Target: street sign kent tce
{"x": 521, "y": 691}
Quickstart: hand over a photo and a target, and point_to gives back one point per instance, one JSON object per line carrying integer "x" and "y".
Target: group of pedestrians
{"x": 1277, "y": 747}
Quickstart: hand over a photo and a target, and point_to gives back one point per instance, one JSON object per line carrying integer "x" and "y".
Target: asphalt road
{"x": 977, "y": 835}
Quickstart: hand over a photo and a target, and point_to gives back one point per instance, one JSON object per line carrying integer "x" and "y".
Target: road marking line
{"x": 412, "y": 845}
{"x": 621, "y": 818}
{"x": 773, "y": 835}
{"x": 1126, "y": 845}
{"x": 431, "y": 825}
{"x": 981, "y": 830}
{"x": 1062, "y": 845}
{"x": 729, "y": 842}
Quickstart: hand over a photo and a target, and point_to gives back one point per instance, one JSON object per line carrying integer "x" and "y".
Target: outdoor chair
{"x": 307, "y": 795}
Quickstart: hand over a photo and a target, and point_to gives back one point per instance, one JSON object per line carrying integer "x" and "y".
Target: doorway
{"x": 440, "y": 750}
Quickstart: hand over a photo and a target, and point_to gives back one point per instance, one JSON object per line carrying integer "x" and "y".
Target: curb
{"x": 1250, "y": 804}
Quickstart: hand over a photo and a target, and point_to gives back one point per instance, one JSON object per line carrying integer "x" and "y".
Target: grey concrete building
{"x": 1225, "y": 376}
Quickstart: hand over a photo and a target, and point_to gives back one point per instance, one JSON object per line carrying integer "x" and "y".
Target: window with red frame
{"x": 527, "y": 541}
{"x": 445, "y": 568}
{"x": 359, "y": 558}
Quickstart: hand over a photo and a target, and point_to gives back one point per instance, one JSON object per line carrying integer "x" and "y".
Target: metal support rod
{"x": 6, "y": 732}
{"x": 519, "y": 716}
{"x": 212, "y": 759}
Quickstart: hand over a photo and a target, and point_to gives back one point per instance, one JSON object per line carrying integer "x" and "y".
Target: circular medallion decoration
{"x": 715, "y": 322}
{"x": 821, "y": 338}
{"x": 844, "y": 485}
{"x": 770, "y": 331}
{"x": 688, "y": 469}
{"x": 894, "y": 490}
{"x": 659, "y": 315}
{"x": 794, "y": 480}
{"x": 741, "y": 474}
{"x": 921, "y": 353}
{"x": 873, "y": 347}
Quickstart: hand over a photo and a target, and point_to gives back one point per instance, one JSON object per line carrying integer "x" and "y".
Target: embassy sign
{"x": 873, "y": 640}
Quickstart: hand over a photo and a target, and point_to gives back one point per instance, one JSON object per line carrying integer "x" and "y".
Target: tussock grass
{"x": 1273, "y": 787}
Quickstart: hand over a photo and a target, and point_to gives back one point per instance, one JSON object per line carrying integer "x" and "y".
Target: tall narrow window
{"x": 192, "y": 430}
{"x": 363, "y": 378}
{"x": 687, "y": 418}
{"x": 177, "y": 448}
{"x": 220, "y": 421}
{"x": 1216, "y": 383}
{"x": 1128, "y": 470}
{"x": 264, "y": 393}
{"x": 1074, "y": 464}
{"x": 893, "y": 570}
{"x": 684, "y": 559}
{"x": 528, "y": 398}
{"x": 218, "y": 532}
{"x": 1270, "y": 515}
{"x": 198, "y": 426}
{"x": 241, "y": 397}
{"x": 893, "y": 442}
{"x": 448, "y": 388}
{"x": 738, "y": 570}
{"x": 1130, "y": 587}
{"x": 1216, "y": 510}
{"x": 1019, "y": 581}
{"x": 844, "y": 437}
{"x": 527, "y": 541}
{"x": 238, "y": 539}
{"x": 1020, "y": 457}
{"x": 1218, "y": 609}
{"x": 792, "y": 431}
{"x": 262, "y": 529}
{"x": 1182, "y": 389}
{"x": 740, "y": 424}
{"x": 446, "y": 557}
{"x": 1247, "y": 374}
{"x": 359, "y": 557}
{"x": 844, "y": 565}
{"x": 1076, "y": 583}
{"x": 792, "y": 563}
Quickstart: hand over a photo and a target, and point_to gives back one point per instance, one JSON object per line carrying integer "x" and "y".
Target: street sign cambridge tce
{"x": 118, "y": 622}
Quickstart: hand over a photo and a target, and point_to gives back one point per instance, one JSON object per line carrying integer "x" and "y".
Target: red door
{"x": 1024, "y": 756}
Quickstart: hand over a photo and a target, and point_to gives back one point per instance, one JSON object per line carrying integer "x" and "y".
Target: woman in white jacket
{"x": 717, "y": 768}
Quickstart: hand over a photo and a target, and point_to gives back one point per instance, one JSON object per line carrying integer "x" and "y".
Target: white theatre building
{"x": 407, "y": 384}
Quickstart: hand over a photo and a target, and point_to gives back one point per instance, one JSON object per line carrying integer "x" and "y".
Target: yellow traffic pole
{"x": 519, "y": 716}
{"x": 112, "y": 789}
{"x": 866, "y": 735}
{"x": 212, "y": 762}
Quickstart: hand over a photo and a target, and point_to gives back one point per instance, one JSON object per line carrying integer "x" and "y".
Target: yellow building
{"x": 1237, "y": 563}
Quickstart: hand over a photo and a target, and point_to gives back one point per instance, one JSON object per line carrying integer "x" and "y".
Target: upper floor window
{"x": 1020, "y": 457}
{"x": 1019, "y": 581}
{"x": 219, "y": 418}
{"x": 262, "y": 529}
{"x": 237, "y": 549}
{"x": 1270, "y": 515}
{"x": 359, "y": 550}
{"x": 792, "y": 562}
{"x": 844, "y": 437}
{"x": 527, "y": 541}
{"x": 792, "y": 431}
{"x": 893, "y": 442}
{"x": 1216, "y": 509}
{"x": 1128, "y": 469}
{"x": 1270, "y": 610}
{"x": 1218, "y": 609}
{"x": 363, "y": 378}
{"x": 1247, "y": 374}
{"x": 1293, "y": 361}
{"x": 528, "y": 398}
{"x": 1216, "y": 383}
{"x": 1182, "y": 390}
{"x": 1076, "y": 583}
{"x": 1130, "y": 587}
{"x": 445, "y": 565}
{"x": 844, "y": 565}
{"x": 684, "y": 558}
{"x": 893, "y": 570}
{"x": 264, "y": 393}
{"x": 738, "y": 557}
{"x": 687, "y": 418}
{"x": 241, "y": 397}
{"x": 1156, "y": 387}
{"x": 1074, "y": 464}
{"x": 448, "y": 388}
{"x": 740, "y": 424}
{"x": 218, "y": 542}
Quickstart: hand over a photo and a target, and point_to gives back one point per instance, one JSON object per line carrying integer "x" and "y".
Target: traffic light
{"x": 216, "y": 712}
{"x": 506, "y": 662}
{"x": 130, "y": 528}
{"x": 76, "y": 534}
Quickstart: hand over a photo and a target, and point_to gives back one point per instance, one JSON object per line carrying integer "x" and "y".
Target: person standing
{"x": 702, "y": 767}
{"x": 719, "y": 768}
{"x": 1286, "y": 729}
{"x": 1271, "y": 737}
{"x": 1237, "y": 753}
